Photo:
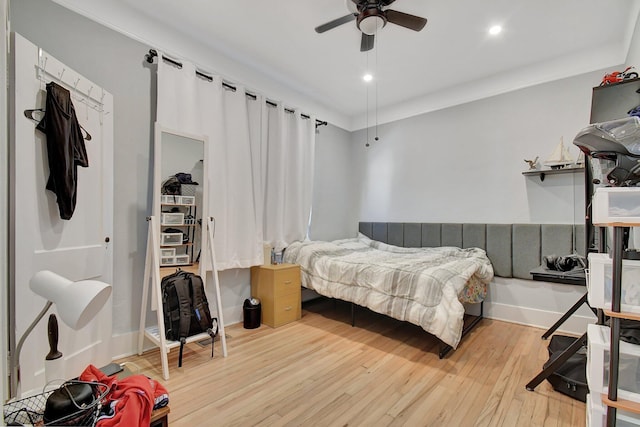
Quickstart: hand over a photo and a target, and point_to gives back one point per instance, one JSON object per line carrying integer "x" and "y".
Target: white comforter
{"x": 418, "y": 285}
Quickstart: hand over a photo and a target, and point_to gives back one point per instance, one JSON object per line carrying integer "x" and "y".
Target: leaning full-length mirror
{"x": 179, "y": 197}
{"x": 179, "y": 237}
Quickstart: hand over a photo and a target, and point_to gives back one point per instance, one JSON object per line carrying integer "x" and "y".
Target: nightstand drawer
{"x": 287, "y": 282}
{"x": 286, "y": 309}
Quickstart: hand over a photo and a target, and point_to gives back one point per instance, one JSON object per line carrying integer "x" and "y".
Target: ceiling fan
{"x": 371, "y": 16}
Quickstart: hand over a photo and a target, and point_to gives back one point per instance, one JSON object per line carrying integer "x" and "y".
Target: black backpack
{"x": 571, "y": 377}
{"x": 185, "y": 308}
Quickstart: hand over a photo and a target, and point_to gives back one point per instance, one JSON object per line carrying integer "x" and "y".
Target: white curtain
{"x": 189, "y": 103}
{"x": 289, "y": 176}
{"x": 260, "y": 162}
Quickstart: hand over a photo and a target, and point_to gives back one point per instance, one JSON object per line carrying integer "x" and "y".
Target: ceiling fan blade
{"x": 335, "y": 23}
{"x": 367, "y": 42}
{"x": 411, "y": 22}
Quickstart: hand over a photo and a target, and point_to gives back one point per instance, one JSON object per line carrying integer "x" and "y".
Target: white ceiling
{"x": 452, "y": 60}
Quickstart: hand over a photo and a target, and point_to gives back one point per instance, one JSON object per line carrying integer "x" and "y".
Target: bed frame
{"x": 513, "y": 249}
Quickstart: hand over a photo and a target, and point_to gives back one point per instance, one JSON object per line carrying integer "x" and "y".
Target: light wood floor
{"x": 321, "y": 371}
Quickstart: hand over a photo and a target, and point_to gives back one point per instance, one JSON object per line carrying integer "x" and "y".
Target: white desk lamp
{"x": 77, "y": 303}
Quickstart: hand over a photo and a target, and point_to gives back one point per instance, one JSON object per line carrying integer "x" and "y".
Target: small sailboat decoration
{"x": 560, "y": 157}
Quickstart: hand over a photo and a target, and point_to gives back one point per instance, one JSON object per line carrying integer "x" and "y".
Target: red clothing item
{"x": 131, "y": 399}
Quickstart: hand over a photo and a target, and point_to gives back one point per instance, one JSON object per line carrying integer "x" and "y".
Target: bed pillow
{"x": 364, "y": 239}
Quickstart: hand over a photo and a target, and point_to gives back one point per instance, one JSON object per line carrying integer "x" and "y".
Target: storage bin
{"x": 172, "y": 218}
{"x": 168, "y": 239}
{"x": 182, "y": 259}
{"x": 598, "y": 338}
{"x": 166, "y": 252}
{"x": 187, "y": 200}
{"x": 597, "y": 414}
{"x": 619, "y": 205}
{"x": 170, "y": 199}
{"x": 167, "y": 260}
{"x": 600, "y": 278}
{"x": 174, "y": 260}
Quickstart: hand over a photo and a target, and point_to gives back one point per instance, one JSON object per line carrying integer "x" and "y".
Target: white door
{"x": 79, "y": 248}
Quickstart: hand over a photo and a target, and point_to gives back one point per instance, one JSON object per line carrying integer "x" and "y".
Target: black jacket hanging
{"x": 65, "y": 147}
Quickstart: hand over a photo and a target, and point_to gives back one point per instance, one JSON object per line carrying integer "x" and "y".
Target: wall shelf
{"x": 544, "y": 172}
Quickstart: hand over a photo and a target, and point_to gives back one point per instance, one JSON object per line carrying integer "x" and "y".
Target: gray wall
{"x": 335, "y": 197}
{"x": 465, "y": 163}
{"x": 116, "y": 63}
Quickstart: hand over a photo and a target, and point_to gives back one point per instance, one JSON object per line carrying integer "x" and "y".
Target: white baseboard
{"x": 575, "y": 324}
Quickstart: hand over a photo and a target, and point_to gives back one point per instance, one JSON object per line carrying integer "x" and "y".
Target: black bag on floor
{"x": 571, "y": 377}
{"x": 185, "y": 309}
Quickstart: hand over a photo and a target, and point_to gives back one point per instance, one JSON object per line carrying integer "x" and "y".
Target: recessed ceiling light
{"x": 495, "y": 30}
{"x": 367, "y": 77}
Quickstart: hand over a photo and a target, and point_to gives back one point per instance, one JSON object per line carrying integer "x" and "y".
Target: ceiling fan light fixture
{"x": 371, "y": 24}
{"x": 371, "y": 16}
{"x": 370, "y": 21}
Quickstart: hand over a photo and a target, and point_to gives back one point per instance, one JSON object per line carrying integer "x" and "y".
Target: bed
{"x": 424, "y": 286}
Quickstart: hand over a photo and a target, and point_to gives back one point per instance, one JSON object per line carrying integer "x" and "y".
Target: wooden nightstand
{"x": 278, "y": 288}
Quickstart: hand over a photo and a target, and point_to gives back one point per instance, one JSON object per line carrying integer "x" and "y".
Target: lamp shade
{"x": 371, "y": 24}
{"x": 77, "y": 302}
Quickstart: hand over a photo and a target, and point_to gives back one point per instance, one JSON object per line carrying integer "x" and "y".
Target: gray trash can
{"x": 252, "y": 313}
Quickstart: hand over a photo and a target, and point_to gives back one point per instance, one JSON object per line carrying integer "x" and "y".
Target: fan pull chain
{"x": 367, "y": 141}
{"x": 367, "y": 106}
{"x": 377, "y": 77}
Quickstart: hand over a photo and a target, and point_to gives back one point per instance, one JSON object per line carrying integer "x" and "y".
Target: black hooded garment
{"x": 65, "y": 147}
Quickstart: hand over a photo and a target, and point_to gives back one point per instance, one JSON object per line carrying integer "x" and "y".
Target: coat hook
{"x": 60, "y": 75}
{"x": 43, "y": 71}
{"x": 75, "y": 86}
{"x": 42, "y": 60}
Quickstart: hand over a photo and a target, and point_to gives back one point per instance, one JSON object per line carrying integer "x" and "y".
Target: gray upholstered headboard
{"x": 514, "y": 249}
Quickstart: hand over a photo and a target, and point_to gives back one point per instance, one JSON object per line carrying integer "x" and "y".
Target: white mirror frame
{"x": 158, "y": 179}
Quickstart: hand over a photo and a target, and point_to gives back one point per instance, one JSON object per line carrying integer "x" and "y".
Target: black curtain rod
{"x": 149, "y": 57}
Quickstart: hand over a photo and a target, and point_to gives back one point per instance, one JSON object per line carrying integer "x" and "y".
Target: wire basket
{"x": 30, "y": 410}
